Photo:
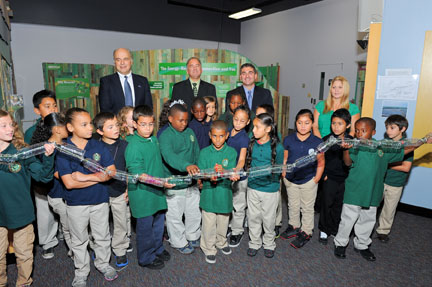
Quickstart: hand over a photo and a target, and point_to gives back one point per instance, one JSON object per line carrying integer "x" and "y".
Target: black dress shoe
{"x": 323, "y": 240}
{"x": 339, "y": 252}
{"x": 164, "y": 256}
{"x": 383, "y": 237}
{"x": 155, "y": 265}
{"x": 366, "y": 254}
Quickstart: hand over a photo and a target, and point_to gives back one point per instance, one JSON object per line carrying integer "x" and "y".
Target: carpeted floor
{"x": 404, "y": 261}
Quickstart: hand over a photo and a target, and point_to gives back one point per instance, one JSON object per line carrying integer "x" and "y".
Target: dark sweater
{"x": 335, "y": 168}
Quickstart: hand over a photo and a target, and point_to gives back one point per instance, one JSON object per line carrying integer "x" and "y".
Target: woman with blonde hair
{"x": 338, "y": 98}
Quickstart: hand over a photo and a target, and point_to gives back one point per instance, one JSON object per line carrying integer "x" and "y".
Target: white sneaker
{"x": 79, "y": 281}
{"x": 323, "y": 235}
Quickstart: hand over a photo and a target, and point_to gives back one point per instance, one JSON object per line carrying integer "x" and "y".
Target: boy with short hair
{"x": 216, "y": 196}
{"x": 147, "y": 202}
{"x": 107, "y": 127}
{"x": 235, "y": 101}
{"x": 364, "y": 189}
{"x": 44, "y": 103}
{"x": 198, "y": 124}
{"x": 180, "y": 151}
{"x": 335, "y": 173}
{"x": 395, "y": 179}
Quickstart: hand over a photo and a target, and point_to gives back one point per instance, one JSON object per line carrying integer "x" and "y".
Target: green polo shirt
{"x": 262, "y": 156}
{"x": 365, "y": 183}
{"x": 398, "y": 178}
{"x": 142, "y": 155}
{"x": 217, "y": 197}
{"x": 179, "y": 150}
{"x": 16, "y": 205}
{"x": 29, "y": 132}
{"x": 324, "y": 120}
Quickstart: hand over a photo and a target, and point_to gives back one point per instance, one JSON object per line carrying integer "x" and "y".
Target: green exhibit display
{"x": 77, "y": 85}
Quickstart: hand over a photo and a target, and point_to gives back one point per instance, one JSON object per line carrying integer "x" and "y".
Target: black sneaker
{"x": 235, "y": 240}
{"x": 121, "y": 261}
{"x": 164, "y": 256}
{"x": 301, "y": 239}
{"x": 130, "y": 248}
{"x": 226, "y": 250}
{"x": 211, "y": 259}
{"x": 48, "y": 253}
{"x": 277, "y": 231}
{"x": 155, "y": 265}
{"x": 289, "y": 232}
{"x": 383, "y": 237}
{"x": 339, "y": 252}
{"x": 269, "y": 253}
{"x": 252, "y": 252}
{"x": 366, "y": 254}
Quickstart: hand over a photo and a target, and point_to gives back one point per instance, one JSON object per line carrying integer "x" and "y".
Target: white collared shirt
{"x": 130, "y": 81}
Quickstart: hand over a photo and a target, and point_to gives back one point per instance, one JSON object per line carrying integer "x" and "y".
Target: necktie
{"x": 195, "y": 90}
{"x": 128, "y": 93}
{"x": 249, "y": 99}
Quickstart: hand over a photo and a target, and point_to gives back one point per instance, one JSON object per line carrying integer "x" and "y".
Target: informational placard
{"x": 217, "y": 69}
{"x": 156, "y": 85}
{"x": 222, "y": 90}
{"x": 72, "y": 87}
{"x": 397, "y": 87}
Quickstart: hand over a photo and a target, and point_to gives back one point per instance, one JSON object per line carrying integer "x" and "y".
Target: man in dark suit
{"x": 253, "y": 95}
{"x": 193, "y": 87}
{"x": 123, "y": 88}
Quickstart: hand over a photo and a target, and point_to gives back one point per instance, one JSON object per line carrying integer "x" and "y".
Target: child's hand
{"x": 429, "y": 138}
{"x": 126, "y": 196}
{"x": 102, "y": 176}
{"x": 200, "y": 184}
{"x": 235, "y": 177}
{"x": 168, "y": 185}
{"x": 218, "y": 168}
{"x": 345, "y": 145}
{"x": 78, "y": 176}
{"x": 192, "y": 169}
{"x": 325, "y": 178}
{"x": 49, "y": 149}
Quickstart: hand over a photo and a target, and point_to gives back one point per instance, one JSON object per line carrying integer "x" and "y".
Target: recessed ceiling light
{"x": 245, "y": 13}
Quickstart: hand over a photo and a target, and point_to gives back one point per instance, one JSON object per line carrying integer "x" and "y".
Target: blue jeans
{"x": 149, "y": 237}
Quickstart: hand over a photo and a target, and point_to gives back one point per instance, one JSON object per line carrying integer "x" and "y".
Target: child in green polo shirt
{"x": 16, "y": 206}
{"x": 147, "y": 202}
{"x": 397, "y": 173}
{"x": 180, "y": 152}
{"x": 216, "y": 196}
{"x": 363, "y": 190}
{"x": 44, "y": 103}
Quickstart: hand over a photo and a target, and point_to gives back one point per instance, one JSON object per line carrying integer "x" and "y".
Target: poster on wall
{"x": 397, "y": 87}
{"x": 75, "y": 85}
{"x": 394, "y": 108}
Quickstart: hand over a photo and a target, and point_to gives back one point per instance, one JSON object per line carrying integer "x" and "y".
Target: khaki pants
{"x": 79, "y": 218}
{"x": 183, "y": 201}
{"x": 23, "y": 244}
{"x": 239, "y": 206}
{"x": 47, "y": 224}
{"x": 120, "y": 240}
{"x": 363, "y": 221}
{"x": 301, "y": 199}
{"x": 392, "y": 195}
{"x": 262, "y": 214}
{"x": 213, "y": 232}
{"x": 59, "y": 206}
{"x": 279, "y": 208}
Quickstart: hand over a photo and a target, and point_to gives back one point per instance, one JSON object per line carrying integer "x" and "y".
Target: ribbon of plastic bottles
{"x": 94, "y": 166}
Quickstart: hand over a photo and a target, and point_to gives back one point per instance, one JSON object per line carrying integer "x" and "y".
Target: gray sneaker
{"x": 79, "y": 281}
{"x": 109, "y": 273}
{"x": 48, "y": 253}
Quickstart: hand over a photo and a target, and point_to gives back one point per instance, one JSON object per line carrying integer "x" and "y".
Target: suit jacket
{"x": 183, "y": 91}
{"x": 261, "y": 96}
{"x": 111, "y": 95}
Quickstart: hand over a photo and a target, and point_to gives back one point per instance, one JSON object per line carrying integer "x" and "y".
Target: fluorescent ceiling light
{"x": 245, "y": 13}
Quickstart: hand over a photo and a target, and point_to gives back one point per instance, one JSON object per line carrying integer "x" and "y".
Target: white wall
{"x": 304, "y": 41}
{"x": 34, "y": 44}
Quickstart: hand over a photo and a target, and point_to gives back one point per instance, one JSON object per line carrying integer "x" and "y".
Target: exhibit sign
{"x": 72, "y": 87}
{"x": 216, "y": 69}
